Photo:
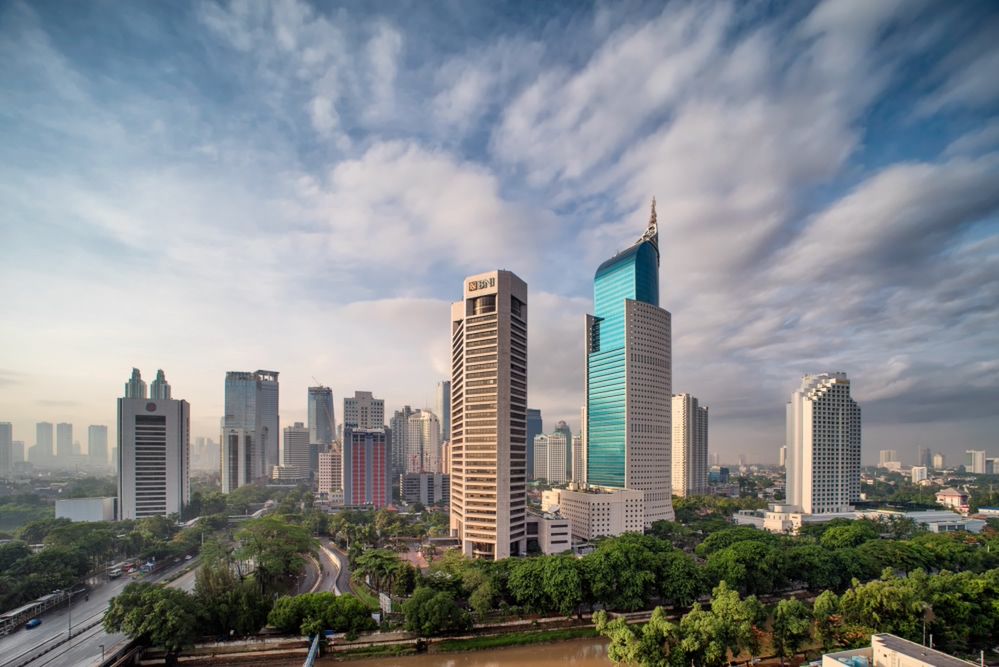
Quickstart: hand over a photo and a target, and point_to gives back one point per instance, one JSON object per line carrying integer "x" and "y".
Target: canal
{"x": 576, "y": 652}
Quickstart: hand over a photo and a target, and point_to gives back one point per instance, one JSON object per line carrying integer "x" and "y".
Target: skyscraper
{"x": 535, "y": 427}
{"x": 6, "y": 449}
{"x": 823, "y": 445}
{"x": 153, "y": 453}
{"x": 363, "y": 411}
{"x": 628, "y": 378}
{"x": 250, "y": 428}
{"x": 976, "y": 461}
{"x": 690, "y": 446}
{"x": 887, "y": 456}
{"x": 442, "y": 407}
{"x": 295, "y": 450}
{"x": 366, "y": 467}
{"x": 939, "y": 461}
{"x": 41, "y": 453}
{"x": 64, "y": 442}
{"x": 399, "y": 435}
{"x": 159, "y": 389}
{"x": 322, "y": 420}
{"x": 97, "y": 444}
{"x": 564, "y": 429}
{"x": 136, "y": 386}
{"x": 489, "y": 416}
{"x": 423, "y": 442}
{"x": 925, "y": 458}
{"x": 549, "y": 457}
{"x": 330, "y": 475}
{"x": 578, "y": 461}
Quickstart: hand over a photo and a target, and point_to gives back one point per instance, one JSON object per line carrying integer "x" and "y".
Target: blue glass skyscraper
{"x": 629, "y": 377}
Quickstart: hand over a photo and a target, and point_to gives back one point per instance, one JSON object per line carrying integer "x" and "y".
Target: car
{"x": 188, "y": 557}
{"x": 33, "y": 623}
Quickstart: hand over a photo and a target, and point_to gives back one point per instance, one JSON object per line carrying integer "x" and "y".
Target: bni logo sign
{"x": 474, "y": 285}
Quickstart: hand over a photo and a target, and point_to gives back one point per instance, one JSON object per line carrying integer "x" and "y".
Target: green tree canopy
{"x": 155, "y": 615}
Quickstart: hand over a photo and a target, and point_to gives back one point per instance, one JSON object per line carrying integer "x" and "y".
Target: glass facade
{"x": 632, "y": 275}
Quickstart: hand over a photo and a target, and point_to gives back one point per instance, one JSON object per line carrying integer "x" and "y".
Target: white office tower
{"x": 823, "y": 445}
{"x": 153, "y": 455}
{"x": 330, "y": 474}
{"x": 549, "y": 458}
{"x": 363, "y": 411}
{"x": 918, "y": 474}
{"x": 64, "y": 443}
{"x": 135, "y": 387}
{"x": 399, "y": 433}
{"x": 442, "y": 407}
{"x": 250, "y": 429}
{"x": 939, "y": 461}
{"x": 976, "y": 461}
{"x": 97, "y": 445}
{"x": 690, "y": 446}
{"x": 489, "y": 416}
{"x": 578, "y": 463}
{"x": 423, "y": 441}
{"x": 886, "y": 456}
{"x": 295, "y": 450}
{"x": 322, "y": 420}
{"x": 160, "y": 388}
{"x": 6, "y": 449}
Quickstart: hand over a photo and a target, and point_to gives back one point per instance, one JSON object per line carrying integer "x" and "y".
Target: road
{"x": 335, "y": 557}
{"x": 84, "y": 648}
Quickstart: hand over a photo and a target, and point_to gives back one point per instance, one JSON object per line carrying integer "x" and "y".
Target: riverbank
{"x": 537, "y": 652}
{"x": 467, "y": 643}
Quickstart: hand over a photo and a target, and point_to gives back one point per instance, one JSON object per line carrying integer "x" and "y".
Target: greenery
{"x": 429, "y": 612}
{"x": 312, "y": 613}
{"x": 155, "y": 615}
{"x": 227, "y": 604}
{"x": 513, "y": 639}
{"x": 276, "y": 547}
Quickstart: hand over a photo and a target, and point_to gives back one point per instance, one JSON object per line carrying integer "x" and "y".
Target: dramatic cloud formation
{"x": 239, "y": 185}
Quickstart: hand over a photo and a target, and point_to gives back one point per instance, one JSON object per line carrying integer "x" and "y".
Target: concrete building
{"x": 549, "y": 457}
{"x": 976, "y": 461}
{"x": 594, "y": 513}
{"x": 788, "y": 519}
{"x": 890, "y": 651}
{"x": 690, "y": 446}
{"x": 17, "y": 450}
{"x": 322, "y": 418}
{"x": 953, "y": 498}
{"x": 489, "y": 416}
{"x": 153, "y": 454}
{"x": 442, "y": 407}
{"x": 330, "y": 471}
{"x": 535, "y": 427}
{"x": 366, "y": 467}
{"x": 251, "y": 427}
{"x": 886, "y": 456}
{"x": 563, "y": 428}
{"x": 86, "y": 509}
{"x": 42, "y": 453}
{"x": 939, "y": 461}
{"x": 578, "y": 462}
{"x": 429, "y": 488}
{"x": 628, "y": 378}
{"x": 64, "y": 442}
{"x": 97, "y": 444}
{"x": 423, "y": 442}
{"x": 550, "y": 530}
{"x": 823, "y": 445}
{"x": 925, "y": 458}
{"x": 446, "y": 457}
{"x": 295, "y": 450}
{"x": 160, "y": 388}
{"x": 6, "y": 449}
{"x": 782, "y": 458}
{"x": 918, "y": 474}
{"x": 363, "y": 411}
{"x": 399, "y": 430}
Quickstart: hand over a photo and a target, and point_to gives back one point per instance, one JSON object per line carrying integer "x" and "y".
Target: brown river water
{"x": 575, "y": 652}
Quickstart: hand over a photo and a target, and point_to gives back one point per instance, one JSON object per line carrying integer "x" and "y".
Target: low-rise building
{"x": 890, "y": 651}
{"x": 429, "y": 488}
{"x": 552, "y": 531}
{"x": 596, "y": 513}
{"x": 954, "y": 499}
{"x": 87, "y": 509}
{"x": 788, "y": 519}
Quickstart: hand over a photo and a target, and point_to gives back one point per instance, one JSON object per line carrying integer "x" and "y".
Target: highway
{"x": 88, "y": 635}
{"x": 333, "y": 556}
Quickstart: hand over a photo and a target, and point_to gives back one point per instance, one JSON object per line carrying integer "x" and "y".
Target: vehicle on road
{"x": 33, "y": 623}
{"x": 115, "y": 573}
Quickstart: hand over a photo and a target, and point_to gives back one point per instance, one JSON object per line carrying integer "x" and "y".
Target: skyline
{"x": 825, "y": 180}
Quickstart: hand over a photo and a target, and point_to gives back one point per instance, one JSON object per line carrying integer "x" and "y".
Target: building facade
{"x": 97, "y": 444}
{"x": 428, "y": 488}
{"x": 595, "y": 513}
{"x": 628, "y": 378}
{"x": 423, "y": 442}
{"x": 939, "y": 461}
{"x": 442, "y": 407}
{"x": 886, "y": 456}
{"x": 363, "y": 411}
{"x": 489, "y": 416}
{"x": 251, "y": 427}
{"x": 399, "y": 430}
{"x": 976, "y": 461}
{"x": 690, "y": 446}
{"x": 6, "y": 449}
{"x": 153, "y": 456}
{"x": 918, "y": 474}
{"x": 578, "y": 462}
{"x": 366, "y": 468}
{"x": 823, "y": 445}
{"x": 295, "y": 450}
{"x": 322, "y": 419}
{"x": 86, "y": 509}
{"x": 535, "y": 427}
{"x": 549, "y": 458}
{"x": 64, "y": 442}
{"x": 330, "y": 471}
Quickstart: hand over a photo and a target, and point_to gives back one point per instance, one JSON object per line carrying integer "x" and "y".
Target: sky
{"x": 212, "y": 186}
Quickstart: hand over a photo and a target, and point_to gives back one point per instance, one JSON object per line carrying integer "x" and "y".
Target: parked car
{"x": 33, "y": 623}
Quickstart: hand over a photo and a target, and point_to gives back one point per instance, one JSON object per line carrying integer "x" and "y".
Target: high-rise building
{"x": 41, "y": 453}
{"x": 6, "y": 449}
{"x": 322, "y": 420}
{"x": 366, "y": 467}
{"x": 535, "y": 427}
{"x": 628, "y": 378}
{"x": 18, "y": 451}
{"x": 136, "y": 386}
{"x": 690, "y": 446}
{"x": 716, "y": 457}
{"x": 399, "y": 431}
{"x": 64, "y": 442}
{"x": 925, "y": 458}
{"x": 563, "y": 428}
{"x": 295, "y": 450}
{"x": 976, "y": 461}
{"x": 489, "y": 416}
{"x": 446, "y": 457}
{"x": 887, "y": 456}
{"x": 330, "y": 473}
{"x": 250, "y": 428}
{"x": 429, "y": 488}
{"x": 823, "y": 445}
{"x": 918, "y": 474}
{"x": 577, "y": 460}
{"x": 160, "y": 388}
{"x": 363, "y": 411}
{"x": 153, "y": 454}
{"x": 97, "y": 444}
{"x": 783, "y": 456}
{"x": 939, "y": 461}
{"x": 549, "y": 457}
{"x": 442, "y": 407}
{"x": 423, "y": 442}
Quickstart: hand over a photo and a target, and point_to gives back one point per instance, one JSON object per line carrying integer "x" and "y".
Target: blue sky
{"x": 203, "y": 187}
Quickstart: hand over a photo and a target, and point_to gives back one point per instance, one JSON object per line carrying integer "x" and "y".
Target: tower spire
{"x": 652, "y": 215}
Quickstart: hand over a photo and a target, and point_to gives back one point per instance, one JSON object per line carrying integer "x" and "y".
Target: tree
{"x": 312, "y": 613}
{"x": 792, "y": 626}
{"x": 527, "y": 584}
{"x": 752, "y": 567}
{"x": 678, "y": 578}
{"x": 655, "y": 644}
{"x": 621, "y": 571}
{"x": 563, "y": 584}
{"x": 228, "y": 605}
{"x": 276, "y": 547}
{"x": 825, "y": 611}
{"x": 155, "y": 615}
{"x": 429, "y": 612}
{"x": 852, "y": 534}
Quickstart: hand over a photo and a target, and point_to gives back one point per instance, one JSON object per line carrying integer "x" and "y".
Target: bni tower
{"x": 488, "y": 416}
{"x": 628, "y": 378}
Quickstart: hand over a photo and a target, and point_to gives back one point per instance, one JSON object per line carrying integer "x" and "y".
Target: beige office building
{"x": 489, "y": 416}
{"x": 593, "y": 513}
{"x": 690, "y": 446}
{"x": 330, "y": 471}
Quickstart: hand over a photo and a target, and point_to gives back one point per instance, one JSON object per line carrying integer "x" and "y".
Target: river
{"x": 576, "y": 652}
